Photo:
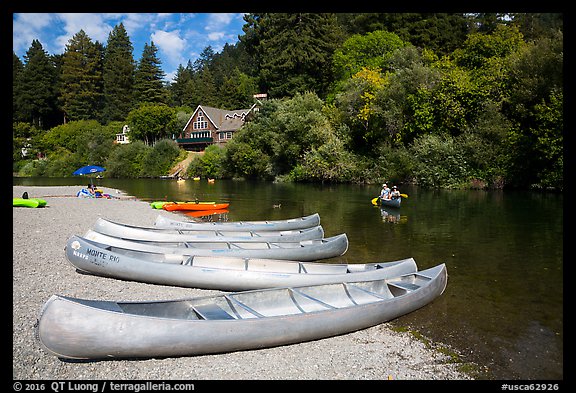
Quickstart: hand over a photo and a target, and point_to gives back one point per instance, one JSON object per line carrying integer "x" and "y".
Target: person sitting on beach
{"x": 87, "y": 192}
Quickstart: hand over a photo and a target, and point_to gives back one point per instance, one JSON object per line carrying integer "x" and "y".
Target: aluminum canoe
{"x": 305, "y": 250}
{"x": 133, "y": 232}
{"x": 223, "y": 273}
{"x": 95, "y": 329}
{"x": 274, "y": 225}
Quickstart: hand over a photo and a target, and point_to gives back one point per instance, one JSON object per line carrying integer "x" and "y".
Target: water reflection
{"x": 392, "y": 215}
{"x": 209, "y": 215}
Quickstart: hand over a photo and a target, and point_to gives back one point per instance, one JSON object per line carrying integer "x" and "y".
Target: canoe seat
{"x": 212, "y": 311}
{"x": 405, "y": 285}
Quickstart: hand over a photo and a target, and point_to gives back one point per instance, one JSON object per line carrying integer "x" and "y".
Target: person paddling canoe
{"x": 385, "y": 192}
{"x": 394, "y": 194}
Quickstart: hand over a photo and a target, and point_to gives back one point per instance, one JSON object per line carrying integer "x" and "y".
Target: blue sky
{"x": 179, "y": 37}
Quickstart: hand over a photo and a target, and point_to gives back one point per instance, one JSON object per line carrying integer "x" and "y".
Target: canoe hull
{"x": 131, "y": 232}
{"x": 306, "y": 250}
{"x": 390, "y": 202}
{"x": 228, "y": 274}
{"x": 86, "y": 329}
{"x": 273, "y": 225}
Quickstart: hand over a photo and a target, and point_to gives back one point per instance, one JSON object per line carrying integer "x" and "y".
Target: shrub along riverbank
{"x": 297, "y": 140}
{"x": 305, "y": 149}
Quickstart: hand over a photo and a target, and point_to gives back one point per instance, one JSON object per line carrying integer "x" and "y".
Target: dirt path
{"x": 181, "y": 167}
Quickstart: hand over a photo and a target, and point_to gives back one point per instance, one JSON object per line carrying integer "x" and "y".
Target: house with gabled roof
{"x": 209, "y": 125}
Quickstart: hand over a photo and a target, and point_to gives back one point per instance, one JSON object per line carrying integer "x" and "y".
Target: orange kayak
{"x": 194, "y": 206}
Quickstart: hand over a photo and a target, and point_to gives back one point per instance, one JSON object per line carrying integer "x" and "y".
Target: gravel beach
{"x": 40, "y": 269}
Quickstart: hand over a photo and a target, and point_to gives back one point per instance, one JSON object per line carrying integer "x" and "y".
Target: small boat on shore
{"x": 306, "y": 250}
{"x": 28, "y": 202}
{"x": 194, "y": 206}
{"x": 273, "y": 225}
{"x": 73, "y": 328}
{"x": 158, "y": 204}
{"x": 222, "y": 273}
{"x": 133, "y": 232}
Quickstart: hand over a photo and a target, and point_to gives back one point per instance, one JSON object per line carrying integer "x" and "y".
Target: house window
{"x": 200, "y": 123}
{"x": 225, "y": 135}
{"x": 202, "y": 134}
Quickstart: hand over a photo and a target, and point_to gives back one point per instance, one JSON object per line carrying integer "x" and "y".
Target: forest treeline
{"x": 439, "y": 100}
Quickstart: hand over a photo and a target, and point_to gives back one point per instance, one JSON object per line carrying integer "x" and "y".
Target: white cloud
{"x": 28, "y": 27}
{"x": 133, "y": 23}
{"x": 216, "y": 35}
{"x": 94, "y": 25}
{"x": 179, "y": 37}
{"x": 171, "y": 44}
{"x": 217, "y": 26}
{"x": 219, "y": 20}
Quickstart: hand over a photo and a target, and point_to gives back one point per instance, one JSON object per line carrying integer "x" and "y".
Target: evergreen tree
{"x": 178, "y": 87}
{"x": 296, "y": 52}
{"x": 184, "y": 90}
{"x": 441, "y": 33}
{"x": 82, "y": 87}
{"x": 148, "y": 85}
{"x": 204, "y": 61}
{"x": 253, "y": 30}
{"x": 230, "y": 59}
{"x": 35, "y": 90}
{"x": 237, "y": 91}
{"x": 119, "y": 68}
{"x": 538, "y": 25}
{"x": 206, "y": 88}
{"x": 17, "y": 71}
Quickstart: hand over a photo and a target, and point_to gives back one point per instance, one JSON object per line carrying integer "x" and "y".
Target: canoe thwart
{"x": 211, "y": 311}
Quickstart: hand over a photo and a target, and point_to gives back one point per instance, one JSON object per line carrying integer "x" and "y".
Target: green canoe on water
{"x": 30, "y": 202}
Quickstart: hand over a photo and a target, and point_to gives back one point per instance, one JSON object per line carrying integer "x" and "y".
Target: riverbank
{"x": 40, "y": 269}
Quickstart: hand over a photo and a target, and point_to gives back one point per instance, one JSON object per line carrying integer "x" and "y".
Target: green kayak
{"x": 158, "y": 204}
{"x": 30, "y": 202}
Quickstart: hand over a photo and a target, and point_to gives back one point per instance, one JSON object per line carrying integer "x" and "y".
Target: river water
{"x": 503, "y": 307}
